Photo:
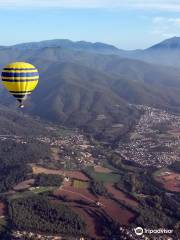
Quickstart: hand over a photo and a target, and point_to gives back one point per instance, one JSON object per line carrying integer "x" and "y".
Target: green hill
{"x": 84, "y": 87}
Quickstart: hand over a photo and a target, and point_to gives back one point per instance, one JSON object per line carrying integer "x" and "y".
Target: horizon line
{"x": 77, "y": 41}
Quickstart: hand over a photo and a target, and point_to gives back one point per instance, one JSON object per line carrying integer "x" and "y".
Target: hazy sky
{"x": 128, "y": 24}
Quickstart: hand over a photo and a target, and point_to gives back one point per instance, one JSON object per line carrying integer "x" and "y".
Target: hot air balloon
{"x": 20, "y": 79}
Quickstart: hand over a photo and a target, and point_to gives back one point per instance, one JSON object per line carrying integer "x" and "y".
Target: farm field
{"x": 116, "y": 212}
{"x": 76, "y": 194}
{"x": 107, "y": 205}
{"x": 3, "y": 216}
{"x": 30, "y": 192}
{"x": 79, "y": 184}
{"x": 121, "y": 196}
{"x": 72, "y": 174}
{"x": 100, "y": 169}
{"x": 2, "y": 209}
{"x": 92, "y": 218}
{"x": 37, "y": 190}
{"x": 103, "y": 176}
{"x": 24, "y": 185}
{"x": 170, "y": 181}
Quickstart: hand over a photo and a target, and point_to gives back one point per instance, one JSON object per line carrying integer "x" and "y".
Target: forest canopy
{"x": 40, "y": 214}
{"x": 14, "y": 159}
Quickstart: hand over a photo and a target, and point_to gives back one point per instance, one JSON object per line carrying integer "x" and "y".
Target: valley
{"x": 95, "y": 152}
{"x": 110, "y": 192}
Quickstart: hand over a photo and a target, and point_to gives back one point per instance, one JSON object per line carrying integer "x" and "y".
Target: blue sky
{"x": 128, "y": 24}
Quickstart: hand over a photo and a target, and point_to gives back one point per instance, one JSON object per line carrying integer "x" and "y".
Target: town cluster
{"x": 29, "y": 235}
{"x": 155, "y": 140}
{"x": 72, "y": 151}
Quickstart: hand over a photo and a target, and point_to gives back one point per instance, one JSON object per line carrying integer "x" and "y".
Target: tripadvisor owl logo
{"x": 139, "y": 231}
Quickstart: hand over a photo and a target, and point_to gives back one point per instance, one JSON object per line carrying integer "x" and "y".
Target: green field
{"x": 103, "y": 177}
{"x": 108, "y": 165}
{"x": 43, "y": 189}
{"x": 29, "y": 193}
{"x": 79, "y": 184}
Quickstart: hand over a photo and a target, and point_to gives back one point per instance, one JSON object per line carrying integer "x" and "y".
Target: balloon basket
{"x": 21, "y": 106}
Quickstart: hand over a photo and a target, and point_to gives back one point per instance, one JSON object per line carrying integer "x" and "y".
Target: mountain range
{"x": 163, "y": 53}
{"x": 93, "y": 86}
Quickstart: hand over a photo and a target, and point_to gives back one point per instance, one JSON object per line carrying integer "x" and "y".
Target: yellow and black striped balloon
{"x": 20, "y": 79}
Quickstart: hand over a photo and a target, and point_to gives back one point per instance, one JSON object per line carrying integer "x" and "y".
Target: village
{"x": 155, "y": 140}
{"x": 30, "y": 235}
{"x": 69, "y": 152}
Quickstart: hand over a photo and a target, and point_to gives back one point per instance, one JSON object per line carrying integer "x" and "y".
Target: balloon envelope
{"x": 20, "y": 79}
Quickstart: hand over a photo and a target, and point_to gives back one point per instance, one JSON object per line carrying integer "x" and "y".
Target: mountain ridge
{"x": 163, "y": 53}
{"x": 170, "y": 43}
{"x": 93, "y": 91}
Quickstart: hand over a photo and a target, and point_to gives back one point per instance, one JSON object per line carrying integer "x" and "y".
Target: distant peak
{"x": 68, "y": 44}
{"x": 170, "y": 43}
